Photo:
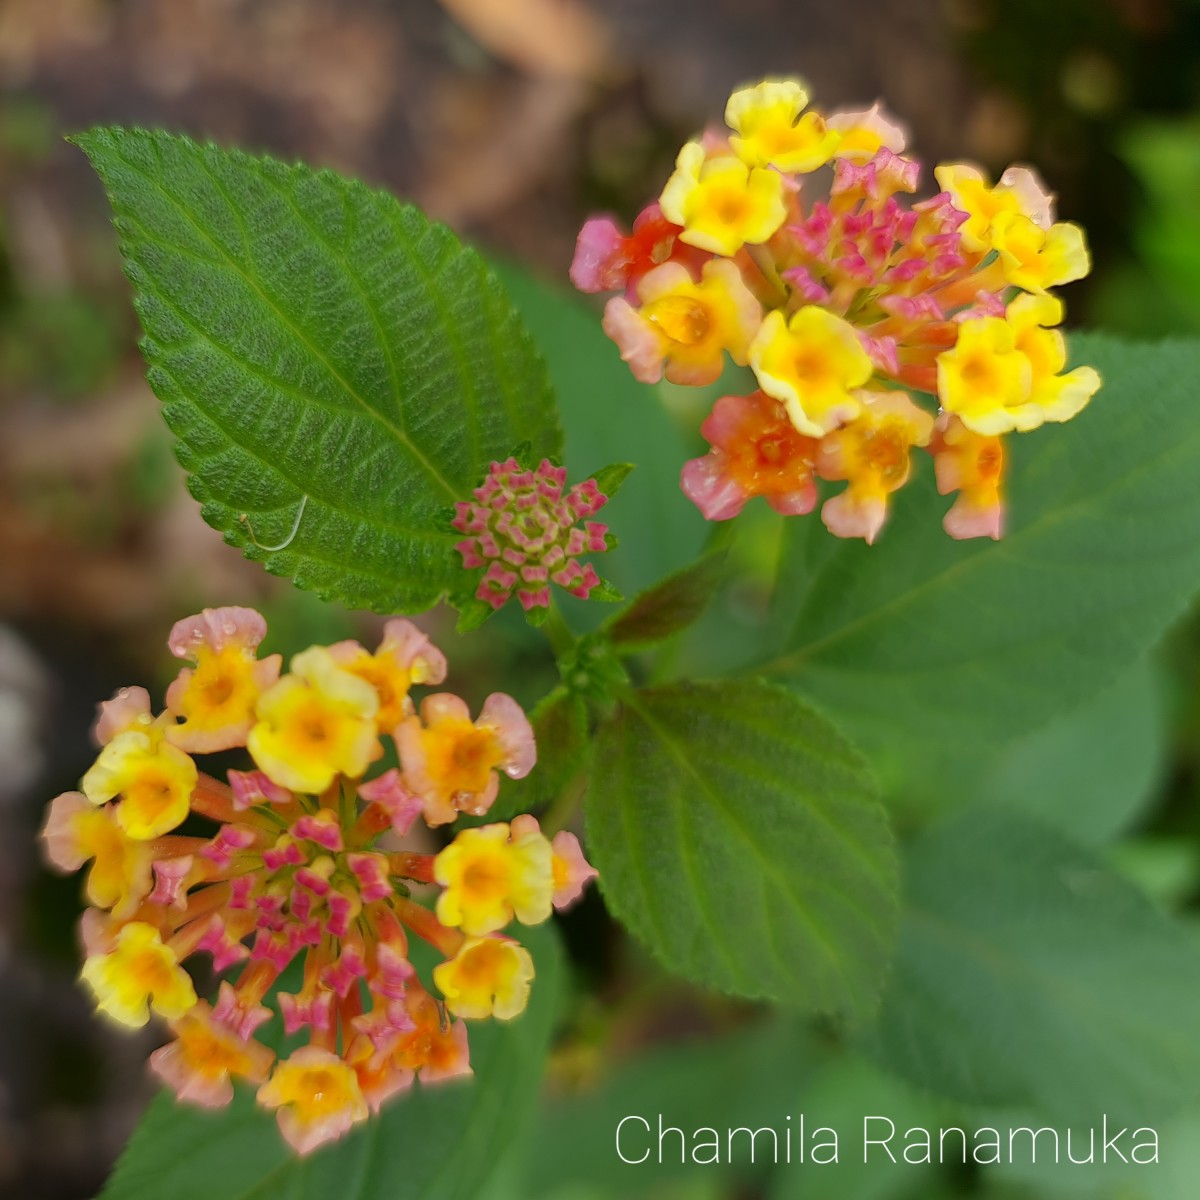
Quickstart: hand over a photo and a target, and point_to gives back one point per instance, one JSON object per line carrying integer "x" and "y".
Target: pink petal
{"x": 392, "y": 794}
{"x": 845, "y": 515}
{"x": 60, "y": 844}
{"x": 130, "y": 706}
{"x": 217, "y": 628}
{"x": 594, "y": 267}
{"x": 503, "y": 714}
{"x": 636, "y": 338}
{"x": 706, "y": 482}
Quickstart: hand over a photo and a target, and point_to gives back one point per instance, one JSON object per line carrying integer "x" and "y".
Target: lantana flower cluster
{"x": 305, "y": 865}
{"x": 789, "y": 243}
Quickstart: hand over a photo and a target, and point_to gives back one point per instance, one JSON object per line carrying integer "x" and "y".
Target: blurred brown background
{"x": 511, "y": 120}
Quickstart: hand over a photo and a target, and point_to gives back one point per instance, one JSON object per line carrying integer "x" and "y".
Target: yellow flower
{"x": 314, "y": 724}
{"x": 771, "y": 130}
{"x": 971, "y": 464}
{"x": 813, "y": 363}
{"x": 685, "y": 325}
{"x": 872, "y": 454}
{"x": 1036, "y": 259}
{"x": 216, "y": 700}
{"x": 76, "y": 831}
{"x": 985, "y": 380}
{"x": 203, "y": 1056}
{"x": 154, "y": 779}
{"x": 1020, "y": 192}
{"x": 487, "y": 977}
{"x": 317, "y": 1095}
{"x": 489, "y": 878}
{"x": 405, "y": 657}
{"x": 138, "y": 974}
{"x": 721, "y": 202}
{"x": 1004, "y": 374}
{"x": 1054, "y": 396}
{"x": 451, "y": 761}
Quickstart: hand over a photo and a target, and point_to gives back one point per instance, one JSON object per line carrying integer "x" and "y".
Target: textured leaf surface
{"x": 739, "y": 836}
{"x": 1031, "y": 974}
{"x": 437, "y": 1143}
{"x": 1091, "y": 771}
{"x": 922, "y": 646}
{"x": 317, "y": 344}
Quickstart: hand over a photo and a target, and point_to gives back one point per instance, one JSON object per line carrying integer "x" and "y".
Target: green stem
{"x": 562, "y": 640}
{"x": 562, "y": 811}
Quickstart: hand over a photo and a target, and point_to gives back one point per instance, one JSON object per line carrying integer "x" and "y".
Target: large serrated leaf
{"x": 1030, "y": 973}
{"x": 926, "y": 648}
{"x": 329, "y": 359}
{"x": 738, "y": 835}
{"x": 443, "y": 1142}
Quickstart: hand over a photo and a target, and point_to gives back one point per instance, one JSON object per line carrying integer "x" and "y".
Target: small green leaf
{"x": 738, "y": 835}
{"x": 337, "y": 369}
{"x": 443, "y": 1142}
{"x": 610, "y": 479}
{"x": 1029, "y": 973}
{"x": 924, "y": 647}
{"x": 472, "y": 613}
{"x": 605, "y": 593}
{"x": 537, "y": 617}
{"x": 670, "y": 606}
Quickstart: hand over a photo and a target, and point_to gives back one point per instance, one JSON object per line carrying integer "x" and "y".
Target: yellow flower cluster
{"x": 297, "y": 870}
{"x": 847, "y": 309}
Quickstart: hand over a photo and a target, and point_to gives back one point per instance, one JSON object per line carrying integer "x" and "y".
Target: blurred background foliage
{"x": 512, "y": 120}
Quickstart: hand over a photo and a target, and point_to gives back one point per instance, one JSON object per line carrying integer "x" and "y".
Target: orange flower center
{"x": 681, "y": 318}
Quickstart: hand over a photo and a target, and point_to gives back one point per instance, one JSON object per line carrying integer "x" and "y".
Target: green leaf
{"x": 612, "y": 478}
{"x": 670, "y": 605}
{"x": 738, "y": 835}
{"x": 1029, "y": 973}
{"x": 924, "y": 647}
{"x": 1090, "y": 772}
{"x": 846, "y": 1091}
{"x": 438, "y": 1143}
{"x": 338, "y": 370}
{"x": 610, "y": 417}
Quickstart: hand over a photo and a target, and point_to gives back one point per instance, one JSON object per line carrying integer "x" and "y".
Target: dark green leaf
{"x": 1091, "y": 771}
{"x": 1029, "y": 973}
{"x": 337, "y": 369}
{"x": 738, "y": 835}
